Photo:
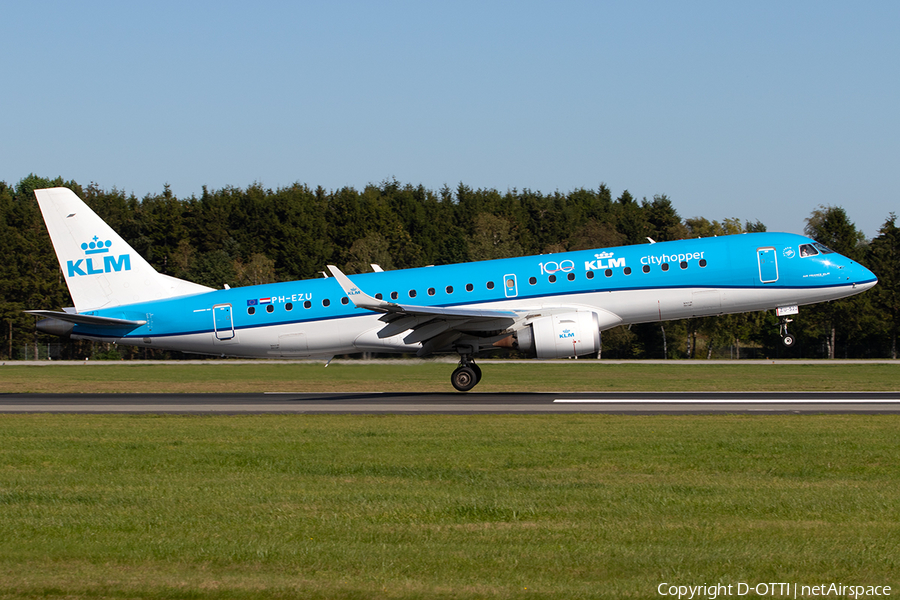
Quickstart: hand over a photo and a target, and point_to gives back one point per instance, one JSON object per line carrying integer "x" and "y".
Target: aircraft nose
{"x": 862, "y": 278}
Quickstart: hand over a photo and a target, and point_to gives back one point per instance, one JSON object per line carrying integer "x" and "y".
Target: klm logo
{"x": 604, "y": 260}
{"x": 92, "y": 265}
{"x": 566, "y": 334}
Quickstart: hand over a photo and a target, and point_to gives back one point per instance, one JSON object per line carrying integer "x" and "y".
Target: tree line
{"x": 244, "y": 236}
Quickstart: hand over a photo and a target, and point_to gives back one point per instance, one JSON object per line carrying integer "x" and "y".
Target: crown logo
{"x": 96, "y": 246}
{"x": 603, "y": 255}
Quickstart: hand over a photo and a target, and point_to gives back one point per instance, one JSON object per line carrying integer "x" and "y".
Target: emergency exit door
{"x": 510, "y": 286}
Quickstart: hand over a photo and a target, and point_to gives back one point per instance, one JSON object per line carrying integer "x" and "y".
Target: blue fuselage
{"x": 641, "y": 283}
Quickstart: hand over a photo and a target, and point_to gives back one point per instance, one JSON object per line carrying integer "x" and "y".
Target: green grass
{"x": 424, "y": 376}
{"x": 564, "y": 506}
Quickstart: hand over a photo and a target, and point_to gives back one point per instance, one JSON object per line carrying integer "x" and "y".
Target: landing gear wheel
{"x": 786, "y": 338}
{"x": 464, "y": 378}
{"x": 477, "y": 370}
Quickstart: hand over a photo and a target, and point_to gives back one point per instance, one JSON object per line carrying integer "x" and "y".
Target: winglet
{"x": 358, "y": 297}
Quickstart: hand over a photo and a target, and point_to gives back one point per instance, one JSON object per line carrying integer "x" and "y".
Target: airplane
{"x": 545, "y": 306}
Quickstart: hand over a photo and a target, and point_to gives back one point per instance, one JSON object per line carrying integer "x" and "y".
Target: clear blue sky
{"x": 756, "y": 110}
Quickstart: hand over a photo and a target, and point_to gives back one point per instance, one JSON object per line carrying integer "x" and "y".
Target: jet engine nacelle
{"x": 561, "y": 336}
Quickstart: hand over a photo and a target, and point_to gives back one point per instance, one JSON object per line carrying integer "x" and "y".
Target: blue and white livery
{"x": 547, "y": 306}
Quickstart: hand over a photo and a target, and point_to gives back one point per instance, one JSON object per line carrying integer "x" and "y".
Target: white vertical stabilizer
{"x": 100, "y": 268}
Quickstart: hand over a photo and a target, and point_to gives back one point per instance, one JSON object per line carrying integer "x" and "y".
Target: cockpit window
{"x": 823, "y": 248}
{"x": 808, "y": 250}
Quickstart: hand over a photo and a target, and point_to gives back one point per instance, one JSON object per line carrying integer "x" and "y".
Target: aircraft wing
{"x": 363, "y": 300}
{"x": 434, "y": 327}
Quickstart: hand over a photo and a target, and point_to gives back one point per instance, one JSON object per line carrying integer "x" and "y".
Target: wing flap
{"x": 426, "y": 332}
{"x": 402, "y": 324}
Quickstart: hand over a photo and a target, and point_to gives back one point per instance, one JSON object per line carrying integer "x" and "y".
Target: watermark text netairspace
{"x": 770, "y": 589}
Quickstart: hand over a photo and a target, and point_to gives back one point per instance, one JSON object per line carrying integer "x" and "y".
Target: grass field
{"x": 425, "y": 376}
{"x": 574, "y": 506}
{"x": 553, "y": 506}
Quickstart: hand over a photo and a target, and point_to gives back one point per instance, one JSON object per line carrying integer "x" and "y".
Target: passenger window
{"x": 490, "y": 285}
{"x": 307, "y": 304}
{"x": 532, "y": 280}
{"x": 251, "y": 310}
{"x": 412, "y": 293}
{"x": 378, "y": 296}
{"x": 571, "y": 276}
{"x": 345, "y": 300}
{"x": 589, "y": 274}
{"x": 431, "y": 291}
{"x": 289, "y": 307}
{"x": 808, "y": 250}
{"x": 702, "y": 262}
{"x": 326, "y": 302}
{"x": 552, "y": 279}
{"x": 627, "y": 271}
{"x": 449, "y": 289}
{"x": 608, "y": 272}
{"x": 394, "y": 295}
{"x": 683, "y": 264}
{"x": 646, "y": 269}
{"x": 270, "y": 308}
{"x": 469, "y": 287}
{"x": 664, "y": 266}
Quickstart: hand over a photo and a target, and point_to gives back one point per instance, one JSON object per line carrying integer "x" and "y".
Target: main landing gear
{"x": 786, "y": 338}
{"x": 467, "y": 374}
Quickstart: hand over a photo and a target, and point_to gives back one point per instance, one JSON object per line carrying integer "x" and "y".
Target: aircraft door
{"x": 768, "y": 265}
{"x": 223, "y": 322}
{"x": 510, "y": 288}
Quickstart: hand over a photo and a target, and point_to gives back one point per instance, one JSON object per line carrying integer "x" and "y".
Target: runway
{"x": 645, "y": 403}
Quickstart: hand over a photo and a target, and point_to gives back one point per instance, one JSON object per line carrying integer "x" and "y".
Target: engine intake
{"x": 561, "y": 336}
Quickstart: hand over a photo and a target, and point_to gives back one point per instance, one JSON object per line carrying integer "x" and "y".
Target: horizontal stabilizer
{"x": 86, "y": 319}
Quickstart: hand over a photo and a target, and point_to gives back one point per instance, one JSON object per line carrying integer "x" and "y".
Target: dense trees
{"x": 256, "y": 235}
{"x": 884, "y": 258}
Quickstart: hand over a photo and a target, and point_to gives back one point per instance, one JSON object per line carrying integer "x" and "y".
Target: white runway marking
{"x": 720, "y": 401}
{"x": 321, "y": 393}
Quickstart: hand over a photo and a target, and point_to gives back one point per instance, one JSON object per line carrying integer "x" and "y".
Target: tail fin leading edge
{"x": 100, "y": 268}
